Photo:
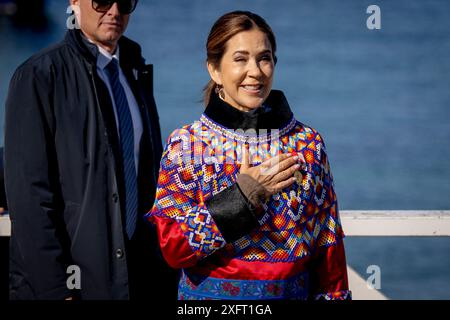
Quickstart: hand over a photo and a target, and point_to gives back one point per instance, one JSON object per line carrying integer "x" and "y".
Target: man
{"x": 82, "y": 151}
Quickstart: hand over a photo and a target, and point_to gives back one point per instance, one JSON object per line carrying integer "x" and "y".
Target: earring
{"x": 219, "y": 91}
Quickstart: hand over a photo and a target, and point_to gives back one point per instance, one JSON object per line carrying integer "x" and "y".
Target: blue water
{"x": 381, "y": 99}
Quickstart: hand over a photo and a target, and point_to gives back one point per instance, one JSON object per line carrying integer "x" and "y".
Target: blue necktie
{"x": 127, "y": 144}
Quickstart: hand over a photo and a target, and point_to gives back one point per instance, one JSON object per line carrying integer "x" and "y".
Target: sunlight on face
{"x": 246, "y": 70}
{"x": 103, "y": 28}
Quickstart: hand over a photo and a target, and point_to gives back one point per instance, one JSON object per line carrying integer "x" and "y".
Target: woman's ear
{"x": 214, "y": 73}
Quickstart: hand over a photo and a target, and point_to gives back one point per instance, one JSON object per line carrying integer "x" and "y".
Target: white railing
{"x": 396, "y": 223}
{"x": 389, "y": 223}
{"x": 368, "y": 223}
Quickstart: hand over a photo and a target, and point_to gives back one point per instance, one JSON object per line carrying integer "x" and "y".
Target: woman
{"x": 245, "y": 203}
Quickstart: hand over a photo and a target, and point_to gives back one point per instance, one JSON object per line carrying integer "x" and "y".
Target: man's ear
{"x": 214, "y": 73}
{"x": 75, "y": 6}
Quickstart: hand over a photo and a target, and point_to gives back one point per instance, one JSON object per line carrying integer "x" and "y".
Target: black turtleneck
{"x": 273, "y": 114}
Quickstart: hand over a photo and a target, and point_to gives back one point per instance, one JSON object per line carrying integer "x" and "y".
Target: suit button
{"x": 119, "y": 253}
{"x": 115, "y": 197}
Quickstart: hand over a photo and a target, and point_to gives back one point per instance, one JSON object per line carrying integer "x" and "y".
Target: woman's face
{"x": 246, "y": 70}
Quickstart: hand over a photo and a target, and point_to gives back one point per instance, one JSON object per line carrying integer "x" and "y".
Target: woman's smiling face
{"x": 246, "y": 70}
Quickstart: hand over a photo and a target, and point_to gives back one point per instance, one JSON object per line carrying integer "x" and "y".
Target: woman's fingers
{"x": 282, "y": 165}
{"x": 287, "y": 173}
{"x": 271, "y": 162}
{"x": 245, "y": 158}
{"x": 277, "y": 164}
{"x": 275, "y": 173}
{"x": 287, "y": 163}
{"x": 283, "y": 175}
{"x": 284, "y": 184}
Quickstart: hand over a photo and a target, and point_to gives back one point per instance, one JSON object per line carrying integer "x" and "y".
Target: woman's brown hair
{"x": 223, "y": 30}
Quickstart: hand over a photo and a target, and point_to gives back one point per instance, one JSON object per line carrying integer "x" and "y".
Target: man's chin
{"x": 109, "y": 39}
{"x": 110, "y": 33}
{"x": 113, "y": 36}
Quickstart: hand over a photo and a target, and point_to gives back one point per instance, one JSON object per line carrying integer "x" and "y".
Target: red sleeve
{"x": 174, "y": 246}
{"x": 329, "y": 274}
{"x": 328, "y": 267}
{"x": 186, "y": 230}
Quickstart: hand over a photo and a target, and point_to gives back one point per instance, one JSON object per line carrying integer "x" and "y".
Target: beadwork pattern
{"x": 202, "y": 159}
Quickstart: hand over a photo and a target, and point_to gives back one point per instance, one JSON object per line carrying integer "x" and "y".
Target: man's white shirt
{"x": 104, "y": 58}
